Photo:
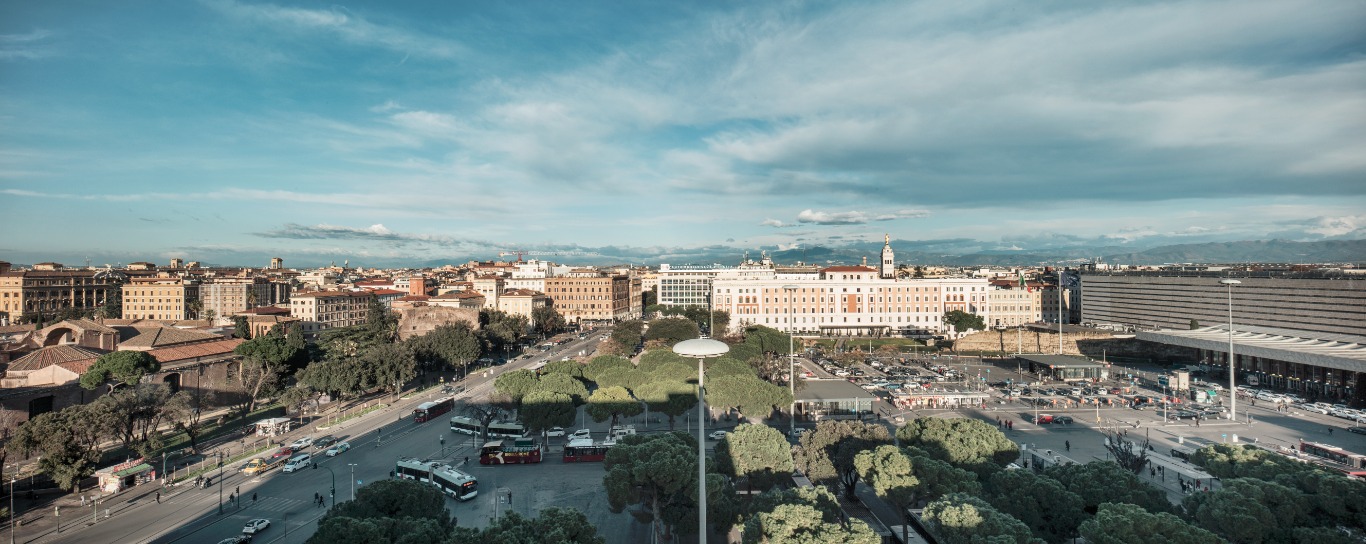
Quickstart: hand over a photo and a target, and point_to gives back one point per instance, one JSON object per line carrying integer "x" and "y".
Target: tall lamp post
{"x": 353, "y": 483}
{"x": 12, "y": 518}
{"x": 1232, "y": 376}
{"x": 701, "y": 348}
{"x": 220, "y": 482}
{"x": 791, "y": 363}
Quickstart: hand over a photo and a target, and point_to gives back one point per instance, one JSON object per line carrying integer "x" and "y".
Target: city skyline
{"x": 225, "y": 131}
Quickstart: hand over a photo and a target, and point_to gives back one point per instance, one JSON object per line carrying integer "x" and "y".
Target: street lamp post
{"x": 791, "y": 363}
{"x": 12, "y": 517}
{"x": 220, "y": 482}
{"x": 353, "y": 483}
{"x": 1232, "y": 375}
{"x": 701, "y": 348}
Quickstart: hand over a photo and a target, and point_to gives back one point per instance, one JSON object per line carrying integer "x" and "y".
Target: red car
{"x": 282, "y": 452}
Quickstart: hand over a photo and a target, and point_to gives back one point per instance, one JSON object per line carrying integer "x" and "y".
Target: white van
{"x": 297, "y": 462}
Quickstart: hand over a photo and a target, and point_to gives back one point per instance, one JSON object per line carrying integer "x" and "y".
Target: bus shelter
{"x": 949, "y": 400}
{"x": 833, "y": 399}
{"x": 273, "y": 426}
{"x": 1064, "y": 368}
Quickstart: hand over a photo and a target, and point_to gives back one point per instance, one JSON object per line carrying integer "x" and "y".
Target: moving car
{"x": 255, "y": 526}
{"x": 239, "y": 539}
{"x": 555, "y": 431}
{"x": 717, "y": 435}
{"x": 282, "y": 453}
{"x": 298, "y": 462}
{"x": 302, "y": 443}
{"x": 338, "y": 449}
{"x": 325, "y": 441}
{"x": 1062, "y": 420}
{"x": 581, "y": 433}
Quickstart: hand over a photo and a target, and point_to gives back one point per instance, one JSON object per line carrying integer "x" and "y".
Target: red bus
{"x": 428, "y": 410}
{"x": 1352, "y": 464}
{"x": 583, "y": 450}
{"x": 503, "y": 452}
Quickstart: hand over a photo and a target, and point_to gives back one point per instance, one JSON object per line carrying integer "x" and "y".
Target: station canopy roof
{"x": 1338, "y": 351}
{"x": 1061, "y": 361}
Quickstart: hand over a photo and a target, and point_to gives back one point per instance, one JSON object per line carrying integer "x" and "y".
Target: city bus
{"x": 516, "y": 451}
{"x": 428, "y": 410}
{"x": 584, "y": 450}
{"x": 500, "y": 429}
{"x": 1353, "y": 464}
{"x": 457, "y": 484}
{"x": 409, "y": 468}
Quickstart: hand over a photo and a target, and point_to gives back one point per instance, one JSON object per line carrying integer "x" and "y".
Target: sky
{"x": 229, "y": 131}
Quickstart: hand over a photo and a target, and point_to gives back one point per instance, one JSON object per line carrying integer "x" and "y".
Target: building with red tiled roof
{"x": 459, "y": 299}
{"x": 322, "y": 310}
{"x": 50, "y": 365}
{"x": 153, "y": 338}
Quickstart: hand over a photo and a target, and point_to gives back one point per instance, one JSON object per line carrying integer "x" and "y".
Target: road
{"x": 186, "y": 515}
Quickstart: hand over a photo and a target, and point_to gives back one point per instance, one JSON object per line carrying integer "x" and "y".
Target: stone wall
{"x": 420, "y": 320}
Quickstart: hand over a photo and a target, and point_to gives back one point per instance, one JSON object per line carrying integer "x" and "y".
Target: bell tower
{"x": 888, "y": 270}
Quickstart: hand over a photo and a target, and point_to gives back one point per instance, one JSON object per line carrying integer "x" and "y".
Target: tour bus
{"x": 428, "y": 410}
{"x": 1183, "y": 453}
{"x": 455, "y": 483}
{"x": 505, "y": 452}
{"x": 584, "y": 449}
{"x": 500, "y": 429}
{"x": 1353, "y": 464}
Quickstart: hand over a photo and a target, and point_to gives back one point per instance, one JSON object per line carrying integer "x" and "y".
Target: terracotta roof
{"x": 86, "y": 325}
{"x": 456, "y": 295}
{"x": 848, "y": 269}
{"x": 165, "y": 336}
{"x": 388, "y": 292}
{"x": 521, "y": 293}
{"x": 266, "y": 310}
{"x": 415, "y": 298}
{"x": 204, "y": 349}
{"x": 14, "y": 329}
{"x": 52, "y": 355}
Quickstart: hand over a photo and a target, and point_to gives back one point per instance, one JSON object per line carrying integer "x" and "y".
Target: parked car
{"x": 1358, "y": 429}
{"x": 338, "y": 449}
{"x": 555, "y": 431}
{"x": 282, "y": 452}
{"x": 1312, "y": 408}
{"x": 302, "y": 443}
{"x": 717, "y": 435}
{"x": 255, "y": 526}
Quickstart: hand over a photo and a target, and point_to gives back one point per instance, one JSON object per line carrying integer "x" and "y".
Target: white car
{"x": 338, "y": 449}
{"x": 555, "y": 431}
{"x": 1312, "y": 408}
{"x": 255, "y": 526}
{"x": 302, "y": 443}
{"x": 717, "y": 435}
{"x": 581, "y": 433}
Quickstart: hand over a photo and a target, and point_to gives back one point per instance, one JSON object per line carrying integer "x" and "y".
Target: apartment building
{"x": 50, "y": 288}
{"x": 161, "y": 298}
{"x": 322, "y": 310}
{"x": 848, "y": 300}
{"x": 522, "y": 302}
{"x": 585, "y": 295}
{"x": 225, "y": 297}
{"x": 1011, "y": 305}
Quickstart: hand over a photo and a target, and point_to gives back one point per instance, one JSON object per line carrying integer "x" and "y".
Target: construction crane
{"x": 521, "y": 252}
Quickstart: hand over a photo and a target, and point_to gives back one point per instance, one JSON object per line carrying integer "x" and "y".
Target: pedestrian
{"x": 1152, "y": 473}
{"x": 158, "y": 499}
{"x": 82, "y": 500}
{"x": 467, "y": 460}
{"x": 253, "y": 497}
{"x": 1330, "y": 431}
{"x": 1067, "y": 444}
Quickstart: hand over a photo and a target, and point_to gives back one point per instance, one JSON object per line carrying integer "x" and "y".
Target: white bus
{"x": 414, "y": 469}
{"x": 500, "y": 429}
{"x": 455, "y": 483}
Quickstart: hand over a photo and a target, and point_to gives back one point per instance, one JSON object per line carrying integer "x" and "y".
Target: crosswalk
{"x": 274, "y": 504}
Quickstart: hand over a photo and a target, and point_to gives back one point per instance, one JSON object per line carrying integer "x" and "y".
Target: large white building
{"x": 849, "y": 300}
{"x": 689, "y": 285}
{"x": 321, "y": 310}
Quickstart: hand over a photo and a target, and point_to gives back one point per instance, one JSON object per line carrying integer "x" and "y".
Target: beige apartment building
{"x": 160, "y": 298}
{"x": 322, "y": 310}
{"x": 49, "y": 289}
{"x": 590, "y": 296}
{"x": 522, "y": 302}
{"x": 1013, "y": 306}
{"x": 225, "y": 297}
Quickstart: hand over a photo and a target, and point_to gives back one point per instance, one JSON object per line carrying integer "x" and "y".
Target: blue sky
{"x": 230, "y": 131}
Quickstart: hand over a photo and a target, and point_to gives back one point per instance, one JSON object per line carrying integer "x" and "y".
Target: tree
{"x": 756, "y": 453}
{"x": 390, "y": 365}
{"x": 889, "y": 472}
{"x": 186, "y": 409}
{"x": 961, "y": 442}
{"x": 937, "y": 478}
{"x": 1100, "y": 482}
{"x": 113, "y": 301}
{"x": 9, "y": 424}
{"x": 132, "y": 415}
{"x": 751, "y": 396}
{"x": 451, "y": 345}
{"x": 817, "y": 450}
{"x": 1126, "y": 455}
{"x": 603, "y": 363}
{"x": 387, "y": 511}
{"x": 571, "y": 368}
{"x": 124, "y": 367}
{"x": 564, "y": 384}
{"x": 1051, "y": 511}
{"x": 671, "y": 330}
{"x": 802, "y": 524}
{"x": 66, "y": 440}
{"x": 516, "y": 384}
{"x": 547, "y": 321}
{"x": 652, "y": 471}
{"x": 496, "y": 407}
{"x": 542, "y": 410}
{"x": 380, "y": 322}
{"x": 960, "y": 518}
{"x": 1117, "y": 523}
{"x": 501, "y": 330}
{"x": 628, "y": 333}
{"x": 551, "y": 526}
{"x": 1194, "y": 324}
{"x": 671, "y": 398}
{"x": 612, "y": 403}
{"x": 962, "y": 321}
{"x": 1250, "y": 510}
{"x": 240, "y": 327}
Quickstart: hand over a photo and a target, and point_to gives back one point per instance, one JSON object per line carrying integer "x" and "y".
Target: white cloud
{"x": 349, "y": 27}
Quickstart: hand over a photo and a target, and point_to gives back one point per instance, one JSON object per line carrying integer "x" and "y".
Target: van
{"x": 297, "y": 462}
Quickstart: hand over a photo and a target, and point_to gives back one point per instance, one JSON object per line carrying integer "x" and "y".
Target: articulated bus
{"x": 583, "y": 450}
{"x": 1353, "y": 464}
{"x": 509, "y": 452}
{"x": 455, "y": 483}
{"x": 428, "y": 410}
{"x": 465, "y": 425}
